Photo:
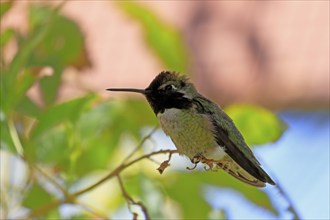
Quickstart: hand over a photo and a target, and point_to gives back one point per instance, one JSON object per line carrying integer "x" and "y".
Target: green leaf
{"x": 135, "y": 114}
{"x": 128, "y": 116}
{"x": 24, "y": 54}
{"x": 23, "y": 82}
{"x": 50, "y": 148}
{"x": 4, "y": 7}
{"x": 258, "y": 125}
{"x": 36, "y": 197}
{"x": 95, "y": 121}
{"x": 67, "y": 111}
{"x": 6, "y": 36}
{"x": 100, "y": 129}
{"x": 186, "y": 190}
{"x": 164, "y": 39}
{"x": 6, "y": 142}
{"x": 49, "y": 86}
{"x": 20, "y": 60}
{"x": 98, "y": 126}
{"x": 26, "y": 106}
{"x": 92, "y": 158}
{"x": 86, "y": 139}
{"x": 63, "y": 45}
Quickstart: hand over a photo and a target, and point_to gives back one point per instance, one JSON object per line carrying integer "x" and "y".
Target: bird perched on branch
{"x": 200, "y": 129}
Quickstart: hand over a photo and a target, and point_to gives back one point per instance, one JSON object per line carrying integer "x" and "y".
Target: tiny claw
{"x": 192, "y": 168}
{"x": 195, "y": 160}
{"x": 207, "y": 167}
{"x": 208, "y": 164}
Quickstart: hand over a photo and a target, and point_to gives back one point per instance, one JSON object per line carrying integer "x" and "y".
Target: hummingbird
{"x": 200, "y": 129}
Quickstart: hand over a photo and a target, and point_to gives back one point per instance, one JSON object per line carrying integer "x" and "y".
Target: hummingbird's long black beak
{"x": 142, "y": 91}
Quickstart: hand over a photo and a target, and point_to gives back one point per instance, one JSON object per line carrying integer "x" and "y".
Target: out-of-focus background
{"x": 251, "y": 57}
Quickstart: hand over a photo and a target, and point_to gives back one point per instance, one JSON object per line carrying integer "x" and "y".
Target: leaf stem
{"x": 14, "y": 136}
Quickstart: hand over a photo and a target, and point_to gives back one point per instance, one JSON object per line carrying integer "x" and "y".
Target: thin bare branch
{"x": 148, "y": 136}
{"x": 291, "y": 207}
{"x": 120, "y": 168}
{"x": 50, "y": 179}
{"x": 71, "y": 197}
{"x": 130, "y": 201}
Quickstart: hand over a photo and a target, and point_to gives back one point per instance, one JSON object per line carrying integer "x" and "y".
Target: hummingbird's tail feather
{"x": 239, "y": 173}
{"x": 239, "y": 152}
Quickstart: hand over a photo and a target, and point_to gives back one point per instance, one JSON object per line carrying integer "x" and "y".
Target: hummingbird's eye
{"x": 169, "y": 87}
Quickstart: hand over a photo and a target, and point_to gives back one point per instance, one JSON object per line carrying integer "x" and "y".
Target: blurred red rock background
{"x": 272, "y": 53}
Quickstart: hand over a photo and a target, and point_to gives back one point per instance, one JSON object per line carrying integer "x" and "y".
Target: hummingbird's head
{"x": 167, "y": 90}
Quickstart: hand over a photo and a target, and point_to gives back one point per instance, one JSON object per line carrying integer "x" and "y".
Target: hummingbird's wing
{"x": 228, "y": 136}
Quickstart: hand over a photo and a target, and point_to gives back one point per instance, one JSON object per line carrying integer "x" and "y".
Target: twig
{"x": 141, "y": 143}
{"x": 287, "y": 198}
{"x": 130, "y": 201}
{"x": 50, "y": 179}
{"x": 121, "y": 168}
{"x": 291, "y": 207}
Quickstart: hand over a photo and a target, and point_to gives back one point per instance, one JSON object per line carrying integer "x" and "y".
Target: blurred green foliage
{"x": 36, "y": 197}
{"x": 163, "y": 39}
{"x": 257, "y": 124}
{"x": 81, "y": 136}
{"x": 5, "y": 6}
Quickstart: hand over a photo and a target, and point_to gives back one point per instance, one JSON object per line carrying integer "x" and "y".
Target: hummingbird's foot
{"x": 209, "y": 164}
{"x": 192, "y": 168}
{"x": 195, "y": 160}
